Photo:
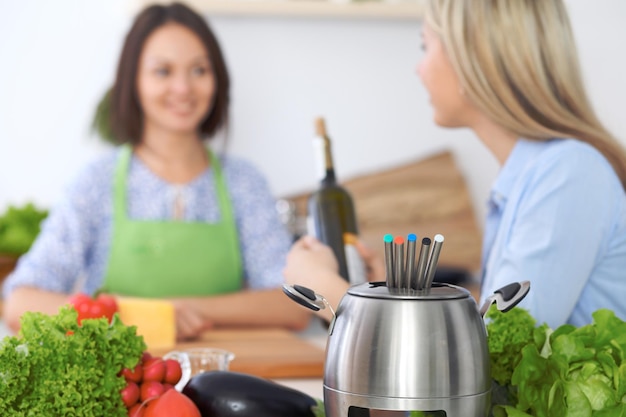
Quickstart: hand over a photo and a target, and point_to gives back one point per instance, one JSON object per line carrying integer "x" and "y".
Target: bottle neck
{"x": 324, "y": 158}
{"x": 329, "y": 177}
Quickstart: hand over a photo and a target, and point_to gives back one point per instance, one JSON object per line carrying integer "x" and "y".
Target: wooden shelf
{"x": 400, "y": 9}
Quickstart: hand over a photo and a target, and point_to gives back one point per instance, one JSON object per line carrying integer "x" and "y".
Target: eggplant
{"x": 235, "y": 394}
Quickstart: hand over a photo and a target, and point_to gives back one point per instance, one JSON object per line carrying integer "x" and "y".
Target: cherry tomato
{"x": 103, "y": 305}
{"x": 145, "y": 356}
{"x": 130, "y": 394}
{"x": 150, "y": 389}
{"x": 173, "y": 372}
{"x": 154, "y": 369}
{"x": 135, "y": 374}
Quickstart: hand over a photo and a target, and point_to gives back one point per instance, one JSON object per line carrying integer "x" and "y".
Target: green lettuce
{"x": 56, "y": 368}
{"x": 568, "y": 372}
{"x": 19, "y": 226}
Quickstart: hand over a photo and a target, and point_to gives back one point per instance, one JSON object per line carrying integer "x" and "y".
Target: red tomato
{"x": 130, "y": 394}
{"x": 137, "y": 410}
{"x": 154, "y": 369}
{"x": 172, "y": 403}
{"x": 173, "y": 373}
{"x": 135, "y": 374}
{"x": 145, "y": 356}
{"x": 108, "y": 304}
{"x": 103, "y": 305}
{"x": 150, "y": 389}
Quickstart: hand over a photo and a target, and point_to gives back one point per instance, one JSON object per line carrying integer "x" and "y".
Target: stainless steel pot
{"x": 405, "y": 350}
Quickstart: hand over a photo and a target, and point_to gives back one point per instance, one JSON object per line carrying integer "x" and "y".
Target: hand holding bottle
{"x": 309, "y": 261}
{"x": 374, "y": 264}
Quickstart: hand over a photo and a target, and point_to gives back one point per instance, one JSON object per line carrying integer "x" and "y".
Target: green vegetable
{"x": 19, "y": 226}
{"x": 508, "y": 333}
{"x": 568, "y": 372}
{"x": 56, "y": 368}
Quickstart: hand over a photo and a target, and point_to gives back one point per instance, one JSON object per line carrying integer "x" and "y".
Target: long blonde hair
{"x": 517, "y": 61}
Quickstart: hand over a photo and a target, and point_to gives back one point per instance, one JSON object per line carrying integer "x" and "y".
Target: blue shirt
{"x": 72, "y": 250}
{"x": 557, "y": 217}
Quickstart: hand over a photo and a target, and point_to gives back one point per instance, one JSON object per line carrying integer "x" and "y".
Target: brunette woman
{"x": 163, "y": 216}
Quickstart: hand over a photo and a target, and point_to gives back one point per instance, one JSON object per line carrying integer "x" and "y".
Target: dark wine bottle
{"x": 330, "y": 212}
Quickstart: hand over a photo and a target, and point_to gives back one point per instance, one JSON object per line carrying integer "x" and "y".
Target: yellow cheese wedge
{"x": 154, "y": 320}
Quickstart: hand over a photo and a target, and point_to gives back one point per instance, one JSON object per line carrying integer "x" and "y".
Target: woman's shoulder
{"x": 573, "y": 157}
{"x": 238, "y": 168}
{"x": 571, "y": 166}
{"x": 570, "y": 151}
{"x": 95, "y": 175}
{"x": 244, "y": 179}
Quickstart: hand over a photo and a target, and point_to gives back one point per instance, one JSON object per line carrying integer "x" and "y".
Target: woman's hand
{"x": 190, "y": 322}
{"x": 310, "y": 261}
{"x": 312, "y": 264}
{"x": 373, "y": 263}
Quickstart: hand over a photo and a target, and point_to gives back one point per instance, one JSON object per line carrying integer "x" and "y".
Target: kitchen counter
{"x": 316, "y": 334}
{"x": 267, "y": 352}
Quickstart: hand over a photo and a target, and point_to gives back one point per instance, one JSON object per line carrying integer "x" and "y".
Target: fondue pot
{"x": 391, "y": 351}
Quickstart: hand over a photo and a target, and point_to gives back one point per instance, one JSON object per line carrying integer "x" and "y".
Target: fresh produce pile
{"x": 85, "y": 362}
{"x": 566, "y": 372}
{"x": 19, "y": 226}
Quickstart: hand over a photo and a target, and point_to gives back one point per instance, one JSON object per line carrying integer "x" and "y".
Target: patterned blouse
{"x": 72, "y": 250}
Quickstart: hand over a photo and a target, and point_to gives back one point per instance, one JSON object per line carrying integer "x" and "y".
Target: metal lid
{"x": 438, "y": 291}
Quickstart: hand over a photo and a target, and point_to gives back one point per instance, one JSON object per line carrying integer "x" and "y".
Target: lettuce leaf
{"x": 577, "y": 372}
{"x": 56, "y": 368}
{"x": 508, "y": 333}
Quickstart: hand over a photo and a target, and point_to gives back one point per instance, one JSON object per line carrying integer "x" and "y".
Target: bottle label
{"x": 310, "y": 227}
{"x": 355, "y": 264}
{"x": 319, "y": 148}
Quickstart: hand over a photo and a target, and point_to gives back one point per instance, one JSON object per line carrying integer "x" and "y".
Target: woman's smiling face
{"x": 175, "y": 82}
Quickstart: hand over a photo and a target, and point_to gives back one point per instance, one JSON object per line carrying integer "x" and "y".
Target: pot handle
{"x": 307, "y": 297}
{"x": 506, "y": 297}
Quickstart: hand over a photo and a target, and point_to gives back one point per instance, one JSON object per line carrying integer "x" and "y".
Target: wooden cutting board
{"x": 267, "y": 353}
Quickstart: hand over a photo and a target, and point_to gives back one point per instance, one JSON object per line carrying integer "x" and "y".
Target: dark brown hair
{"x": 121, "y": 118}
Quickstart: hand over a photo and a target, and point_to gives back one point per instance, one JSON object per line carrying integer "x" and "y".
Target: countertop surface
{"x": 267, "y": 352}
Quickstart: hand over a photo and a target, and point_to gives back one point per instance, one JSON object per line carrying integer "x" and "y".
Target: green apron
{"x": 162, "y": 259}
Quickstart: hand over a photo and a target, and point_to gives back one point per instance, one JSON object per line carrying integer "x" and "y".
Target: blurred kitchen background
{"x": 288, "y": 66}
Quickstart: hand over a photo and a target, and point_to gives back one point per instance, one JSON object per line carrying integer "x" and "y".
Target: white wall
{"x": 56, "y": 59}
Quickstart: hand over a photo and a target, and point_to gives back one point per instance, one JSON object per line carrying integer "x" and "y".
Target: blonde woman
{"x": 508, "y": 70}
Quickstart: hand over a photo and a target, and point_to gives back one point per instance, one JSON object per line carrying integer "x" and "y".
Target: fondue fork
{"x": 388, "y": 239}
{"x": 429, "y": 275}
{"x": 423, "y": 260}
{"x": 410, "y": 273}
{"x": 398, "y": 262}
